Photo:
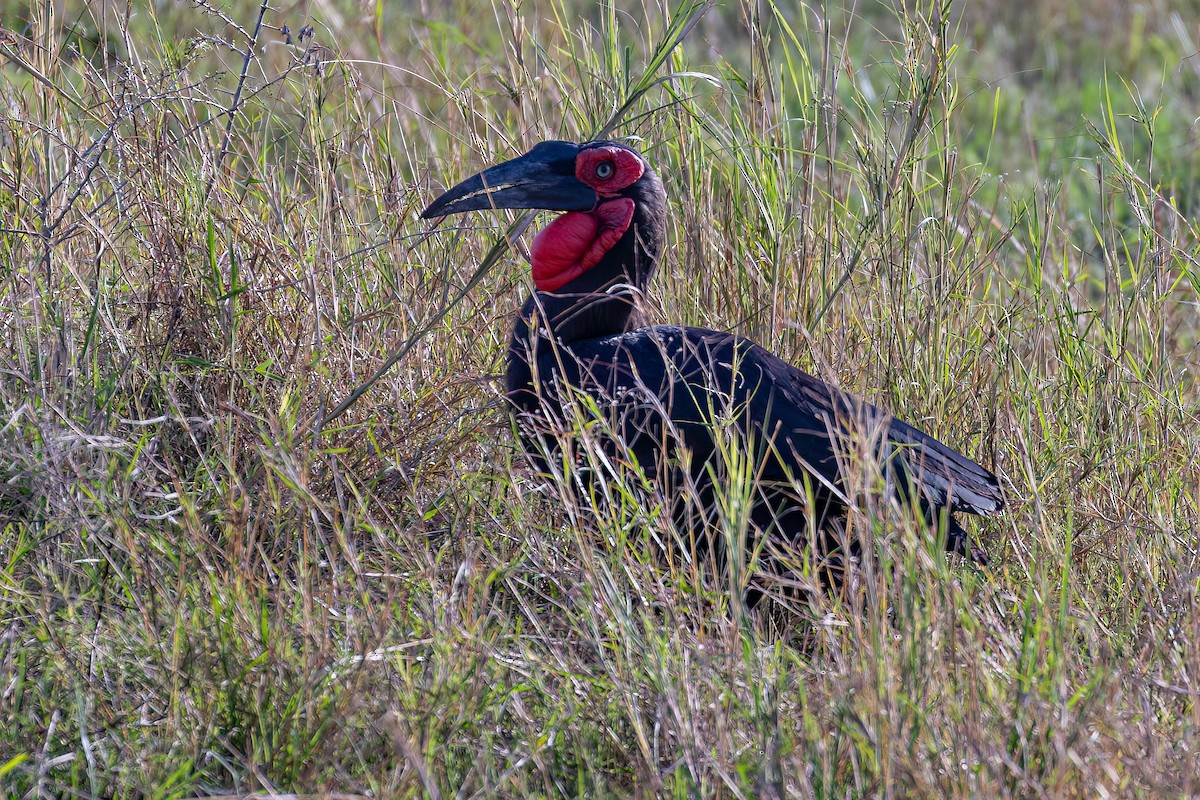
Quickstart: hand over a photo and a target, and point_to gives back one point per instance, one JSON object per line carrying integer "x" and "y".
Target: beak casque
{"x": 543, "y": 178}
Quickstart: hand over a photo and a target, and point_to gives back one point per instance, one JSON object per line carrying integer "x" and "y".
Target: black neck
{"x": 605, "y": 300}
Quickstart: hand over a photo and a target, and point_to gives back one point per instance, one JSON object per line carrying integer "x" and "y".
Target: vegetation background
{"x": 217, "y": 577}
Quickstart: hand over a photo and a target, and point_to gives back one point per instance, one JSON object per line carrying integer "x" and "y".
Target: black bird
{"x": 672, "y": 394}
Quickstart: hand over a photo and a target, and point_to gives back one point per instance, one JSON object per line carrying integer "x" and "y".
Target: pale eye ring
{"x": 605, "y": 170}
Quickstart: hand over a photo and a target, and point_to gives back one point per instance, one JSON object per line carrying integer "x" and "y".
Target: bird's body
{"x": 671, "y": 396}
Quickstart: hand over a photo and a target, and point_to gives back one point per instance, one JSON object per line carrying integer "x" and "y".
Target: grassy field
{"x": 263, "y": 522}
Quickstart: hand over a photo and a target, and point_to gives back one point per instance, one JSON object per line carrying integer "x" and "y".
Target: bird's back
{"x": 663, "y": 389}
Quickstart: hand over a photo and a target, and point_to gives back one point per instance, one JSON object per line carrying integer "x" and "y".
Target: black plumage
{"x": 668, "y": 392}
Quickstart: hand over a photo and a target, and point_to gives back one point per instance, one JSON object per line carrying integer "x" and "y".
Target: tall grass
{"x": 239, "y": 554}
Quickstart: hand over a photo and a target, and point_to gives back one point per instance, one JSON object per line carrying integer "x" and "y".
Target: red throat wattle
{"x": 576, "y": 241}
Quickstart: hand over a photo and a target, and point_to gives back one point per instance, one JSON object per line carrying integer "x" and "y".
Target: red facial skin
{"x": 576, "y": 241}
{"x": 627, "y": 168}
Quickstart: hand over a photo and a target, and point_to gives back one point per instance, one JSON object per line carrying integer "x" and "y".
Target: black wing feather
{"x": 692, "y": 375}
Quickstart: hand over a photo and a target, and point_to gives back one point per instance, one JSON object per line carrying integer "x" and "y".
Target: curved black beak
{"x": 542, "y": 178}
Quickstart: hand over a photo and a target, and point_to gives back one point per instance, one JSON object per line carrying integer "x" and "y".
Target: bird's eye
{"x": 604, "y": 170}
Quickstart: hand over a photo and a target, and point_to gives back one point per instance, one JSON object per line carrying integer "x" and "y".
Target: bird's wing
{"x": 947, "y": 477}
{"x": 699, "y": 379}
{"x": 830, "y": 432}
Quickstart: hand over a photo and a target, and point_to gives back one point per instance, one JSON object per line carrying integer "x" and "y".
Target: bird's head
{"x": 614, "y": 204}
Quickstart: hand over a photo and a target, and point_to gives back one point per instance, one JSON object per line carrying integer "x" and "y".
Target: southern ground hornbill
{"x": 672, "y": 398}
